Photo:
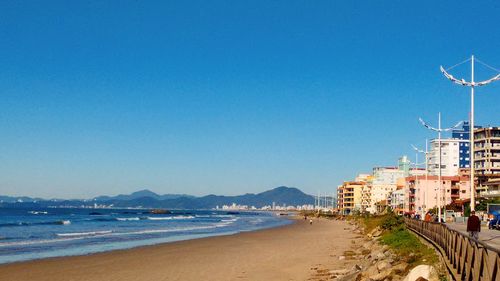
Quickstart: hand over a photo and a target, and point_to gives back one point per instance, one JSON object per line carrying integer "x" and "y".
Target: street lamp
{"x": 439, "y": 130}
{"x": 472, "y": 85}
{"x": 417, "y": 151}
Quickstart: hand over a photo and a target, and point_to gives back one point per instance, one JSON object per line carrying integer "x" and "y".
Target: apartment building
{"x": 487, "y": 161}
{"x": 463, "y": 133}
{"x": 450, "y": 156}
{"x": 422, "y": 193}
{"x": 349, "y": 196}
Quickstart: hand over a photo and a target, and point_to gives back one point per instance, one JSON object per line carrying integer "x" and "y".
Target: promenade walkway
{"x": 488, "y": 236}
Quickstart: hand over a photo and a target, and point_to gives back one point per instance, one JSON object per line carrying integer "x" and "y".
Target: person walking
{"x": 473, "y": 225}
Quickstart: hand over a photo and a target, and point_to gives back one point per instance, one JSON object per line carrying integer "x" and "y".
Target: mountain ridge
{"x": 281, "y": 195}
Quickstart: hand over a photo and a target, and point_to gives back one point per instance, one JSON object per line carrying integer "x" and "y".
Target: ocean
{"x": 27, "y": 234}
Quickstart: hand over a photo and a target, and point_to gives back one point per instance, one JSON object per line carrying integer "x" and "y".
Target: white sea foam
{"x": 38, "y": 212}
{"x": 171, "y": 218}
{"x": 128, "y": 219}
{"x": 90, "y": 233}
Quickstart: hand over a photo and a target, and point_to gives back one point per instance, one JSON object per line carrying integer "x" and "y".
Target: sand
{"x": 294, "y": 252}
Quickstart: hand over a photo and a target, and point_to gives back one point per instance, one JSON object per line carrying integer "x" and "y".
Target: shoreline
{"x": 182, "y": 238}
{"x": 287, "y": 252}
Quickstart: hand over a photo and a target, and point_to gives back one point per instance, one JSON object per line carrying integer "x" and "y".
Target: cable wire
{"x": 449, "y": 68}
{"x": 488, "y": 66}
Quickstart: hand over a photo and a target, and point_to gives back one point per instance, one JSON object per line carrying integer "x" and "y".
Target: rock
{"x": 381, "y": 276}
{"x": 371, "y": 271}
{"x": 385, "y": 248}
{"x": 377, "y": 233}
{"x": 400, "y": 268}
{"x": 341, "y": 258}
{"x": 339, "y": 271}
{"x": 368, "y": 245}
{"x": 422, "y": 271}
{"x": 382, "y": 265}
{"x": 356, "y": 267}
{"x": 378, "y": 255}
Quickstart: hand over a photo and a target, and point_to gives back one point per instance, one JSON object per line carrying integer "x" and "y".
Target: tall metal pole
{"x": 471, "y": 145}
{"x": 426, "y": 175}
{"x": 417, "y": 151}
{"x": 439, "y": 130}
{"x": 472, "y": 84}
{"x": 440, "y": 166}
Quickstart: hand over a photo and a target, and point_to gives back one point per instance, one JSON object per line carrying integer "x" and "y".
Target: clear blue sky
{"x": 228, "y": 97}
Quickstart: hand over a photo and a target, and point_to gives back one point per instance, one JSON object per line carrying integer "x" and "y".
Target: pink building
{"x": 421, "y": 192}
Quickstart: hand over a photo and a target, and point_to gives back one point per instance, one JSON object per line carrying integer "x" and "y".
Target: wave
{"x": 128, "y": 219}
{"x": 171, "y": 218}
{"x": 38, "y": 212}
{"x": 90, "y": 233}
{"x": 64, "y": 237}
{"x": 22, "y": 223}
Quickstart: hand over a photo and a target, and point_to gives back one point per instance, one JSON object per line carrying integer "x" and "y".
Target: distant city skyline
{"x": 223, "y": 97}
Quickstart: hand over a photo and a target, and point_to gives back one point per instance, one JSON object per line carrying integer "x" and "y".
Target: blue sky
{"x": 228, "y": 97}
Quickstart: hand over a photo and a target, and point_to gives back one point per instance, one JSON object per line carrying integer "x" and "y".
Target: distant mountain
{"x": 141, "y": 194}
{"x": 12, "y": 199}
{"x": 280, "y": 195}
{"x": 147, "y": 199}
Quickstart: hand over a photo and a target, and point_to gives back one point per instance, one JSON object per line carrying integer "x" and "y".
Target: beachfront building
{"x": 487, "y": 161}
{"x": 450, "y": 159}
{"x": 421, "y": 193}
{"x": 349, "y": 196}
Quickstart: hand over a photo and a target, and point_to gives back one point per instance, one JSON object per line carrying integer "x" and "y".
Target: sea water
{"x": 27, "y": 234}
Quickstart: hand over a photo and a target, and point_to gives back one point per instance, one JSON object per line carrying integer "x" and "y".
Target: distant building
{"x": 404, "y": 165}
{"x": 382, "y": 184}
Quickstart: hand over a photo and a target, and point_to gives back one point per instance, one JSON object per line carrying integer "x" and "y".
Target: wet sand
{"x": 293, "y": 252}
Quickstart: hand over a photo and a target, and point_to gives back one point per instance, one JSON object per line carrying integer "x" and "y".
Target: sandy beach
{"x": 293, "y": 252}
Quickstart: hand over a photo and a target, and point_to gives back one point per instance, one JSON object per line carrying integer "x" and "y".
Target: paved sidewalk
{"x": 488, "y": 236}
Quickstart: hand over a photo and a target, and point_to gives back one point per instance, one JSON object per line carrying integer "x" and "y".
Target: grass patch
{"x": 395, "y": 235}
{"x": 409, "y": 247}
{"x": 371, "y": 222}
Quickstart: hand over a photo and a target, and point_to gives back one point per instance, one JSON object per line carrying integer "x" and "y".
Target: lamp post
{"x": 439, "y": 130}
{"x": 472, "y": 85}
{"x": 417, "y": 151}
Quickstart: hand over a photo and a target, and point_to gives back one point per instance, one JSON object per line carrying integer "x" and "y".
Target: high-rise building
{"x": 464, "y": 147}
{"x": 487, "y": 160}
{"x": 450, "y": 160}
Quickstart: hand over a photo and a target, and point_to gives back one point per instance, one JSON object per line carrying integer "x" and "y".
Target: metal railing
{"x": 466, "y": 258}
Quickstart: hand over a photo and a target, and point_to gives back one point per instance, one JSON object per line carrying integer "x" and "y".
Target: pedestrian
{"x": 473, "y": 225}
{"x": 428, "y": 217}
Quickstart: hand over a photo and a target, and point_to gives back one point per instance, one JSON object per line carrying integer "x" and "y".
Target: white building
{"x": 397, "y": 201}
{"x": 450, "y": 153}
{"x": 382, "y": 184}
